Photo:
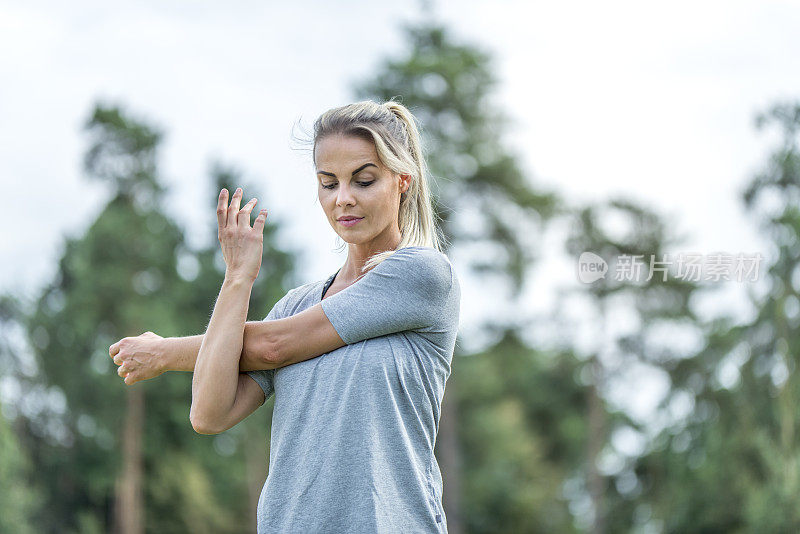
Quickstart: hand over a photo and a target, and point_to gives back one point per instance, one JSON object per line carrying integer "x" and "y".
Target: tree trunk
{"x": 129, "y": 510}
{"x": 595, "y": 445}
{"x": 449, "y": 458}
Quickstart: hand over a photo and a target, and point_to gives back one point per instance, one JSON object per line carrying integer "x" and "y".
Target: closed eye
{"x": 362, "y": 184}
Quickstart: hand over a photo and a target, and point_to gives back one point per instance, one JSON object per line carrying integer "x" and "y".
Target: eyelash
{"x": 362, "y": 184}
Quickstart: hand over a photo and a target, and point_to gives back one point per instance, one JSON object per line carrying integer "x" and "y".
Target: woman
{"x": 357, "y": 362}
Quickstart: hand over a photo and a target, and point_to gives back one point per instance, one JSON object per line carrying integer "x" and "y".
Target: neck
{"x": 357, "y": 255}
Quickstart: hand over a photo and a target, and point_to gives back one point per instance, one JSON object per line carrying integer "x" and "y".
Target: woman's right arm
{"x": 149, "y": 355}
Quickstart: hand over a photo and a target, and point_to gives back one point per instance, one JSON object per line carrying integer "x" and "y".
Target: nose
{"x": 345, "y": 196}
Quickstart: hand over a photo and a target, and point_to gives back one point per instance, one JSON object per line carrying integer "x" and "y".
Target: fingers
{"x": 222, "y": 208}
{"x": 114, "y": 349}
{"x": 243, "y": 218}
{"x": 258, "y": 226}
{"x": 233, "y": 215}
{"x": 124, "y": 370}
{"x": 233, "y": 209}
{"x": 127, "y": 374}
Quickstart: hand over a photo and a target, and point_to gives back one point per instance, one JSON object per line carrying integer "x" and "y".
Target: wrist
{"x": 238, "y": 279}
{"x": 165, "y": 357}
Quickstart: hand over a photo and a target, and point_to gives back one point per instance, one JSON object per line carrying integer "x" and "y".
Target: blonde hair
{"x": 395, "y": 133}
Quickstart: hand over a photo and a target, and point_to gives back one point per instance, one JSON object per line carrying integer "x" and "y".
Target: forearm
{"x": 216, "y": 371}
{"x": 180, "y": 353}
{"x": 266, "y": 345}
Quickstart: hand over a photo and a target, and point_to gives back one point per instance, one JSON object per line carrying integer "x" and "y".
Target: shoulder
{"x": 423, "y": 256}
{"x": 422, "y": 252}
{"x": 428, "y": 257}
{"x": 427, "y": 267}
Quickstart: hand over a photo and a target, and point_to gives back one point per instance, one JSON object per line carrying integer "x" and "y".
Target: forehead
{"x": 344, "y": 151}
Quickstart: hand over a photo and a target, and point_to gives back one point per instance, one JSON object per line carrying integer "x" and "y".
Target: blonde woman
{"x": 357, "y": 362}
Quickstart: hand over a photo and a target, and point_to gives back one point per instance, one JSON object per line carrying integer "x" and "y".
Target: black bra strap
{"x": 329, "y": 282}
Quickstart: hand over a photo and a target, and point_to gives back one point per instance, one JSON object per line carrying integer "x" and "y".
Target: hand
{"x": 242, "y": 245}
{"x": 139, "y": 358}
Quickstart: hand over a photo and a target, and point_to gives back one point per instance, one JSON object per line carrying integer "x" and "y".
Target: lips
{"x": 348, "y": 220}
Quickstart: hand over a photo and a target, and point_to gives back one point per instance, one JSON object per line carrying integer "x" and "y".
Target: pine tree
{"x": 731, "y": 464}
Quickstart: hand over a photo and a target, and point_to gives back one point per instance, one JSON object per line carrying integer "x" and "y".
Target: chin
{"x": 352, "y": 239}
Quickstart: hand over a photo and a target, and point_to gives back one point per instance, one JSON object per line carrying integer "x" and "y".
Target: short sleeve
{"x": 265, "y": 377}
{"x": 406, "y": 291}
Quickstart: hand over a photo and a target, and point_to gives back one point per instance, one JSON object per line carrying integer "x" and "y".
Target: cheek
{"x": 324, "y": 197}
{"x": 390, "y": 202}
{"x": 384, "y": 197}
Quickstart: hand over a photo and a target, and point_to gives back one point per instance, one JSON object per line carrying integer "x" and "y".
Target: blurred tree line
{"x": 533, "y": 437}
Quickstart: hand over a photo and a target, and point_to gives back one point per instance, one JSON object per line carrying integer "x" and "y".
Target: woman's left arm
{"x": 216, "y": 372}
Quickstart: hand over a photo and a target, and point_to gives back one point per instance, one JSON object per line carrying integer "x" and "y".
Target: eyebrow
{"x": 358, "y": 170}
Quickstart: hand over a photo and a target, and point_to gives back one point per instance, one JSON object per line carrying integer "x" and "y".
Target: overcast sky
{"x": 653, "y": 101}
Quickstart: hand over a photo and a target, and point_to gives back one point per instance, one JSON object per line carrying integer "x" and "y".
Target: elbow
{"x": 271, "y": 353}
{"x": 202, "y": 425}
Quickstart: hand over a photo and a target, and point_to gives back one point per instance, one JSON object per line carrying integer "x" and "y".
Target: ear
{"x": 405, "y": 182}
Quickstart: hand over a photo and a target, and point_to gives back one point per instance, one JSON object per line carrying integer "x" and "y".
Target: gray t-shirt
{"x": 353, "y": 430}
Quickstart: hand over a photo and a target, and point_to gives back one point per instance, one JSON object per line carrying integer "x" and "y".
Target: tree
{"x": 18, "y": 499}
{"x": 125, "y": 450}
{"x": 523, "y": 420}
{"x": 732, "y": 464}
{"x": 659, "y": 301}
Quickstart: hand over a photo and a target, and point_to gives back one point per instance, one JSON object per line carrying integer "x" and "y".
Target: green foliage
{"x": 185, "y": 500}
{"x": 731, "y": 465}
{"x": 521, "y": 428}
{"x": 658, "y": 304}
{"x": 18, "y": 503}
